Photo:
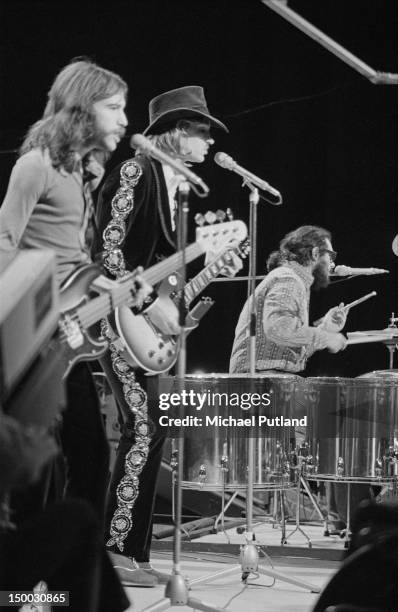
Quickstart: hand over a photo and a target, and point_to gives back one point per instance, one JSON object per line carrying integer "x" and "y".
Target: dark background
{"x": 300, "y": 118}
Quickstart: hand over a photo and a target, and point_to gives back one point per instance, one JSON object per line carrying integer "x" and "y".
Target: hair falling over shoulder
{"x": 68, "y": 122}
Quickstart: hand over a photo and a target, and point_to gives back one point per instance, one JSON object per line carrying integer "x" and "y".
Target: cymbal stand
{"x": 177, "y": 590}
{"x": 392, "y": 345}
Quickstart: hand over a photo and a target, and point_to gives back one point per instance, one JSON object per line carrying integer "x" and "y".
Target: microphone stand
{"x": 177, "y": 589}
{"x": 249, "y": 555}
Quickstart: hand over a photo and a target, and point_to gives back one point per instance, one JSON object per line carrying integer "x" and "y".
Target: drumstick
{"x": 359, "y": 300}
{"x": 348, "y": 306}
{"x": 364, "y": 339}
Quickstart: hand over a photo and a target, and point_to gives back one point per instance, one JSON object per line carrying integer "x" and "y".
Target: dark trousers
{"x": 81, "y": 470}
{"x": 138, "y": 542}
{"x": 84, "y": 442}
{"x": 62, "y": 546}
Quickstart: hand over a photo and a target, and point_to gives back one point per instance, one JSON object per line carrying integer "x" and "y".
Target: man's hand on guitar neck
{"x": 233, "y": 266}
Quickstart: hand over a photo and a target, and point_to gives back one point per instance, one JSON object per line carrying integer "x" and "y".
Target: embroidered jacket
{"x": 133, "y": 216}
{"x": 284, "y": 339}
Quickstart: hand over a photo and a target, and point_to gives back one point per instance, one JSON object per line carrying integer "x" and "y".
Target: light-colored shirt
{"x": 172, "y": 182}
{"x": 284, "y": 338}
{"x": 44, "y": 207}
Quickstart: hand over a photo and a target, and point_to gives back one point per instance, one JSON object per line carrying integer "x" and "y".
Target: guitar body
{"x": 145, "y": 345}
{"x": 80, "y": 343}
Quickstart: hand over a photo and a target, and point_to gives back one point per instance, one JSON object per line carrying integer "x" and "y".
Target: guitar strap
{"x": 135, "y": 396}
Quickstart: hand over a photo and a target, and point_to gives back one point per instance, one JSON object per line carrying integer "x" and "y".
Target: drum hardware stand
{"x": 302, "y": 484}
{"x": 304, "y": 466}
{"x": 323, "y": 518}
{"x": 392, "y": 344}
{"x": 347, "y": 530}
{"x": 298, "y": 527}
{"x": 224, "y": 507}
{"x": 174, "y": 465}
{"x": 282, "y": 523}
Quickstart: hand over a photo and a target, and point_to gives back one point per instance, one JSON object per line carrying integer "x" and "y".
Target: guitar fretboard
{"x": 204, "y": 278}
{"x": 124, "y": 292}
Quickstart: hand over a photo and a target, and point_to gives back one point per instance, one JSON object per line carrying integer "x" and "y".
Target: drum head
{"x": 240, "y": 376}
{"x": 382, "y": 374}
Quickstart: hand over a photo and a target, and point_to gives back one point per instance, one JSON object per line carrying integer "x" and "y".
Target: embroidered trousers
{"x": 138, "y": 541}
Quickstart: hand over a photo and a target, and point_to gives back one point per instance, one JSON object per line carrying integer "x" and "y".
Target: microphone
{"x": 138, "y": 141}
{"x": 347, "y": 271}
{"x": 225, "y": 161}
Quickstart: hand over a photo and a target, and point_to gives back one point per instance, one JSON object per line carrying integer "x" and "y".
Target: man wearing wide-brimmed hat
{"x": 135, "y": 217}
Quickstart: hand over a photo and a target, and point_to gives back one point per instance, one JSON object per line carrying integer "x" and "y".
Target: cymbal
{"x": 395, "y": 245}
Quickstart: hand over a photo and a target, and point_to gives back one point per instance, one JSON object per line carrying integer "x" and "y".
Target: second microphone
{"x": 225, "y": 161}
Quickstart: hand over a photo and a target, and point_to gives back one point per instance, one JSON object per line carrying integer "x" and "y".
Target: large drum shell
{"x": 353, "y": 427}
{"x": 323, "y": 396}
{"x": 218, "y": 458}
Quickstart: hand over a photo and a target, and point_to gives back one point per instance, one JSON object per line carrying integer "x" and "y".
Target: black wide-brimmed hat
{"x": 178, "y": 104}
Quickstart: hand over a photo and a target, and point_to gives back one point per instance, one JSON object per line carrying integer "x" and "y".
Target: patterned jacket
{"x": 284, "y": 339}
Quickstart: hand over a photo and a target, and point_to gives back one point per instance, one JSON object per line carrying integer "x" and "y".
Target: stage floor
{"x": 212, "y": 553}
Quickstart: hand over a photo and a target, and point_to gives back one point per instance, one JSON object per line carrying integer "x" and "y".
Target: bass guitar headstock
{"x": 218, "y": 233}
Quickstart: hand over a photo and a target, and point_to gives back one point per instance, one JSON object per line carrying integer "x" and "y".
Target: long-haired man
{"x": 48, "y": 205}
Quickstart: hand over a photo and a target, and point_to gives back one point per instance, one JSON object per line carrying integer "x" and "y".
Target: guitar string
{"x": 89, "y": 313}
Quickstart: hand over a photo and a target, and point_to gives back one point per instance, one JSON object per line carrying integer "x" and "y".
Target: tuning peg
{"x": 199, "y": 219}
{"x": 230, "y": 214}
{"x": 210, "y": 217}
{"x": 220, "y": 214}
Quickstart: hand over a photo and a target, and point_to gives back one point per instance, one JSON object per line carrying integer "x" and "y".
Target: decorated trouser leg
{"x": 137, "y": 541}
{"x": 132, "y": 489}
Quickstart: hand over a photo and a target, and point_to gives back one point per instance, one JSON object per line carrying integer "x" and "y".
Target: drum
{"x": 353, "y": 427}
{"x": 216, "y": 458}
{"x": 382, "y": 374}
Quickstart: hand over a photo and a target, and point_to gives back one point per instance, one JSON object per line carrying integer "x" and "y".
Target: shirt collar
{"x": 172, "y": 180}
{"x": 305, "y": 275}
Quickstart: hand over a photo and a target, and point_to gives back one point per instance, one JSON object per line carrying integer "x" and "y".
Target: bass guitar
{"x": 145, "y": 345}
{"x": 87, "y": 296}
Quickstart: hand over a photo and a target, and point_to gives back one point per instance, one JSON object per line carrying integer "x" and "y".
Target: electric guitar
{"x": 80, "y": 310}
{"x": 145, "y": 345}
